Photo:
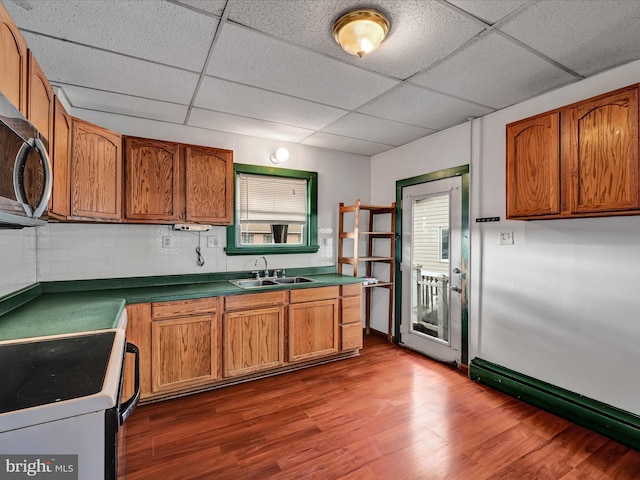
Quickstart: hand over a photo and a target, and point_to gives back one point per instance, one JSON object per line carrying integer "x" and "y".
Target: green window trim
{"x": 233, "y": 248}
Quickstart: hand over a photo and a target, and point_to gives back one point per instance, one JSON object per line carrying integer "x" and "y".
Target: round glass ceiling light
{"x": 361, "y": 31}
{"x": 281, "y": 155}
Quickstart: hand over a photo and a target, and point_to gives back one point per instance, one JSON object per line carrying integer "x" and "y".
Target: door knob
{"x": 455, "y": 288}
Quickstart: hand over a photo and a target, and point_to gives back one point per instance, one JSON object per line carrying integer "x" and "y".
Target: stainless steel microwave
{"x": 25, "y": 170}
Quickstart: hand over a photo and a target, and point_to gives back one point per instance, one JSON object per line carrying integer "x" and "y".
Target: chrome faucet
{"x": 266, "y": 268}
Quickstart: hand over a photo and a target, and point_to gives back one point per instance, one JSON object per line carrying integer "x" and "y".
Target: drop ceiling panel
{"x": 345, "y": 144}
{"x": 244, "y": 56}
{"x": 471, "y": 73}
{"x": 124, "y": 104}
{"x": 421, "y": 32}
{"x": 366, "y": 127}
{"x": 223, "y": 122}
{"x": 69, "y": 63}
{"x": 148, "y": 29}
{"x": 490, "y": 11}
{"x": 418, "y": 106}
{"x": 214, "y": 7}
{"x": 229, "y": 97}
{"x": 588, "y": 37}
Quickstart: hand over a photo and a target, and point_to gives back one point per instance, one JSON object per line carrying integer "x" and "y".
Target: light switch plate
{"x": 212, "y": 241}
{"x": 506, "y": 238}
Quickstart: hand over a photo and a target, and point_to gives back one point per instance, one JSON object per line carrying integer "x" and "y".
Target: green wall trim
{"x": 463, "y": 171}
{"x": 134, "y": 282}
{"x": 312, "y": 246}
{"x": 612, "y": 422}
{"x": 19, "y": 298}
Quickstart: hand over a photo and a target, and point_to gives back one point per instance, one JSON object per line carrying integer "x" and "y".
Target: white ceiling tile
{"x": 89, "y": 99}
{"x": 244, "y": 56}
{"x": 345, "y": 144}
{"x": 471, "y": 73}
{"x": 489, "y": 11}
{"x": 366, "y": 127}
{"x": 234, "y": 98}
{"x": 149, "y": 29}
{"x": 73, "y": 64}
{"x": 588, "y": 37}
{"x": 214, "y": 7}
{"x": 421, "y": 32}
{"x": 418, "y": 106}
{"x": 223, "y": 122}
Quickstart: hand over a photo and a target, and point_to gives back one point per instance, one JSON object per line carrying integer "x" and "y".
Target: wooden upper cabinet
{"x": 40, "y": 100}
{"x": 61, "y": 158}
{"x": 533, "y": 166}
{"x": 152, "y": 174}
{"x": 13, "y": 62}
{"x": 578, "y": 161}
{"x": 603, "y": 153}
{"x": 209, "y": 185}
{"x": 96, "y": 173}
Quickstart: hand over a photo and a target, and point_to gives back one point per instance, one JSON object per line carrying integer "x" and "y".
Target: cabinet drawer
{"x": 351, "y": 310}
{"x": 352, "y": 290}
{"x": 351, "y": 336}
{"x": 183, "y": 307}
{"x": 313, "y": 294}
{"x": 237, "y": 302}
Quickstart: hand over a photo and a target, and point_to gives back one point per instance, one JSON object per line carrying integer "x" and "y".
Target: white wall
{"x": 561, "y": 304}
{"x": 17, "y": 259}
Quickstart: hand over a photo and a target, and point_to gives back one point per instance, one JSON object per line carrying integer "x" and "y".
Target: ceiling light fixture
{"x": 361, "y": 31}
{"x": 281, "y": 155}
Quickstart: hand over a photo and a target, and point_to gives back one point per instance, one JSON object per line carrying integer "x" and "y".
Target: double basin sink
{"x": 269, "y": 282}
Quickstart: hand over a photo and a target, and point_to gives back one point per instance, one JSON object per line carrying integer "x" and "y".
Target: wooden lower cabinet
{"x": 351, "y": 317}
{"x": 313, "y": 323}
{"x": 188, "y": 345}
{"x": 185, "y": 344}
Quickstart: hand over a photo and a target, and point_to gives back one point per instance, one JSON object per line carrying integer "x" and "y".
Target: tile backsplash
{"x": 17, "y": 259}
{"x": 87, "y": 251}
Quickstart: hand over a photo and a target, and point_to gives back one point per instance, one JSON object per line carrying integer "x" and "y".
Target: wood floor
{"x": 388, "y": 414}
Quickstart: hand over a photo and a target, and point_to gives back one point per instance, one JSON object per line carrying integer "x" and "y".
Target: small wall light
{"x": 361, "y": 31}
{"x": 281, "y": 155}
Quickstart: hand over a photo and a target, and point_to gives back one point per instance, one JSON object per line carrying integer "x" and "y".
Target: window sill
{"x": 271, "y": 249}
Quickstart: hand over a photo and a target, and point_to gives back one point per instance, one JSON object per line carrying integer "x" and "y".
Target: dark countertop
{"x": 76, "y": 311}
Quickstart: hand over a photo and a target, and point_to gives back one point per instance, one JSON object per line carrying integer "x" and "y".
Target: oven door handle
{"x": 127, "y": 407}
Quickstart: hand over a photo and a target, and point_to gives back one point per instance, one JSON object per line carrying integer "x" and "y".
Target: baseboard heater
{"x": 612, "y": 422}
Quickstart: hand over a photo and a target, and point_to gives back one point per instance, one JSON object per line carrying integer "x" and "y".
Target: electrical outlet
{"x": 506, "y": 238}
{"x": 166, "y": 241}
{"x": 212, "y": 241}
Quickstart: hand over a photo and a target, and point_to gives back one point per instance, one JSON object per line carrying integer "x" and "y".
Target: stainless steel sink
{"x": 288, "y": 280}
{"x": 269, "y": 282}
{"x": 253, "y": 282}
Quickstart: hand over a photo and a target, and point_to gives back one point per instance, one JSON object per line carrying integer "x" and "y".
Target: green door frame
{"x": 462, "y": 171}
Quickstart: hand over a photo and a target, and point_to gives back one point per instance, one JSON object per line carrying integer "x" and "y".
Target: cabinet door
{"x": 13, "y": 62}
{"x": 151, "y": 180}
{"x": 96, "y": 173}
{"x": 313, "y": 330}
{"x": 209, "y": 185}
{"x": 185, "y": 352}
{"x": 138, "y": 333}
{"x": 253, "y": 340}
{"x": 61, "y": 158}
{"x": 40, "y": 100}
{"x": 533, "y": 166}
{"x": 604, "y": 153}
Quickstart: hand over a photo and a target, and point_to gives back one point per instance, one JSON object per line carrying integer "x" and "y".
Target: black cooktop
{"x": 49, "y": 371}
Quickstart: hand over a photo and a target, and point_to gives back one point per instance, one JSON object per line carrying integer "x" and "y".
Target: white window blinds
{"x": 275, "y": 200}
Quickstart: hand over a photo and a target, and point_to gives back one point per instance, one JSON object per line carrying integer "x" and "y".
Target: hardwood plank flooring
{"x": 389, "y": 414}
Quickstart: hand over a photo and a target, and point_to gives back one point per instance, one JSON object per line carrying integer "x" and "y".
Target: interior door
{"x": 431, "y": 265}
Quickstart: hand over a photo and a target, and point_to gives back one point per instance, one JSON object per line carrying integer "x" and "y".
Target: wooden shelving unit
{"x": 369, "y": 261}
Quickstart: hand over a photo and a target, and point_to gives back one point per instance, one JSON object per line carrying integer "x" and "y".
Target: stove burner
{"x": 51, "y": 389}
